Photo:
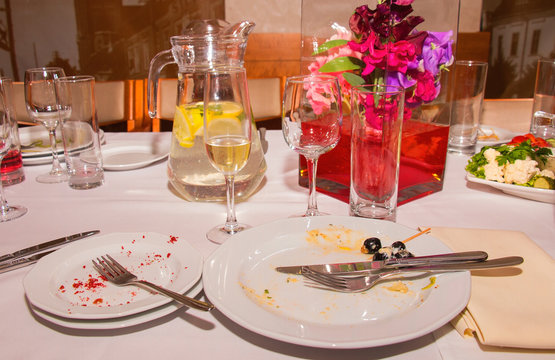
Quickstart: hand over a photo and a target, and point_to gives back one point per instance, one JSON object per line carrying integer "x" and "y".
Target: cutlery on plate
{"x": 46, "y": 245}
{"x": 365, "y": 266}
{"x": 117, "y": 274}
{"x": 20, "y": 262}
{"x": 365, "y": 282}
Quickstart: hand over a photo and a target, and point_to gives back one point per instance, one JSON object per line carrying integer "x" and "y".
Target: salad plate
{"x": 129, "y": 155}
{"x": 65, "y": 284}
{"x": 530, "y": 193}
{"x": 240, "y": 280}
{"x": 120, "y": 322}
{"x": 492, "y": 135}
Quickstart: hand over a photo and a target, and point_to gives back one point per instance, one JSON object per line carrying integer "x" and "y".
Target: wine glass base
{"x": 52, "y": 178}
{"x": 219, "y": 234}
{"x": 12, "y": 213}
{"x": 310, "y": 214}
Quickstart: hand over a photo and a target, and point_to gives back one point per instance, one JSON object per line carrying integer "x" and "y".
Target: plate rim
{"x": 122, "y": 144}
{"x": 37, "y": 274}
{"x": 525, "y": 192}
{"x": 228, "y": 310}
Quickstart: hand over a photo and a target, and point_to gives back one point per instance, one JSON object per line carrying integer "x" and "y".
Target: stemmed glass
{"x": 7, "y": 212}
{"x": 311, "y": 122}
{"x": 227, "y": 136}
{"x": 42, "y": 106}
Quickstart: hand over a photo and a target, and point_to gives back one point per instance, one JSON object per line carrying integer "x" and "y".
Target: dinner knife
{"x": 357, "y": 267}
{"x": 47, "y": 245}
{"x": 13, "y": 264}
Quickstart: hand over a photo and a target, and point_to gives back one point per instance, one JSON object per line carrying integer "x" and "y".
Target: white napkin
{"x": 510, "y": 307}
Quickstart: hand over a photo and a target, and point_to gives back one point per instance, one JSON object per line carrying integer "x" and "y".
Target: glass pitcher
{"x": 203, "y": 45}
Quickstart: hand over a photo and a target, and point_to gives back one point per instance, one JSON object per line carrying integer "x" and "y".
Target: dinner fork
{"x": 117, "y": 274}
{"x": 346, "y": 283}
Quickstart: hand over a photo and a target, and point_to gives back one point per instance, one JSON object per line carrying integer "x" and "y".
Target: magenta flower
{"x": 385, "y": 111}
{"x": 375, "y": 52}
{"x": 400, "y": 54}
{"x": 426, "y": 88}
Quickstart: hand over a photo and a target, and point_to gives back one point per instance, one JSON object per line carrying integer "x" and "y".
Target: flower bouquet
{"x": 384, "y": 45}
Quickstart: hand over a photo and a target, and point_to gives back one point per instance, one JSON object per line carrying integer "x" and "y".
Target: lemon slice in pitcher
{"x": 224, "y": 118}
{"x": 225, "y": 109}
{"x": 187, "y": 122}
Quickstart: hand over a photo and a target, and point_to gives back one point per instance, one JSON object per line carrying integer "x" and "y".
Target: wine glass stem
{"x": 311, "y": 165}
{"x": 231, "y": 221}
{"x": 4, "y": 207}
{"x": 56, "y": 168}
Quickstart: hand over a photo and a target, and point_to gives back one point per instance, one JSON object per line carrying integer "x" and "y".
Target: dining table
{"x": 142, "y": 200}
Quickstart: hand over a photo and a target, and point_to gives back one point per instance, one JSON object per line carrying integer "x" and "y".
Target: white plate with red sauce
{"x": 241, "y": 281}
{"x": 120, "y": 322}
{"x": 65, "y": 283}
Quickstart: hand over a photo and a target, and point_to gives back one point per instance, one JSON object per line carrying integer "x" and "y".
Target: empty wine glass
{"x": 227, "y": 136}
{"x": 7, "y": 212}
{"x": 311, "y": 122}
{"x": 42, "y": 106}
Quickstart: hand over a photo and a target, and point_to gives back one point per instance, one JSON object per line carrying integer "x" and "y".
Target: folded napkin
{"x": 511, "y": 307}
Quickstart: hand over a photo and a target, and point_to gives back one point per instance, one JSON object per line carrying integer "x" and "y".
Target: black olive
{"x": 403, "y": 253}
{"x": 380, "y": 256}
{"x": 398, "y": 245}
{"x": 371, "y": 245}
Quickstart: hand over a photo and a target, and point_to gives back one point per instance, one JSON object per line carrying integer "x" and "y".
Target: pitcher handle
{"x": 156, "y": 65}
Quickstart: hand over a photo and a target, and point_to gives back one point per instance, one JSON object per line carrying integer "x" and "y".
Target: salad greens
{"x": 509, "y": 153}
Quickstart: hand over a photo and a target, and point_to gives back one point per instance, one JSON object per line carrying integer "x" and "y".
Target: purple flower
{"x": 397, "y": 78}
{"x": 402, "y": 2}
{"x": 437, "y": 51}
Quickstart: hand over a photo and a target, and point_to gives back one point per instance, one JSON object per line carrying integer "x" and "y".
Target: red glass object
{"x": 422, "y": 165}
{"x": 11, "y": 169}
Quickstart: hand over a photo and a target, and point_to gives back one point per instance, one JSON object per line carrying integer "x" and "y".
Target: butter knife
{"x": 359, "y": 267}
{"x": 46, "y": 245}
{"x": 20, "y": 262}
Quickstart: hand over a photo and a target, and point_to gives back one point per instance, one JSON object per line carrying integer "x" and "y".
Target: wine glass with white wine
{"x": 42, "y": 106}
{"x": 227, "y": 136}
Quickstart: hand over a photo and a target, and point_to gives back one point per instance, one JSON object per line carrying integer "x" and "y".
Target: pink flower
{"x": 403, "y": 2}
{"x": 401, "y": 53}
{"x": 375, "y": 52}
{"x": 425, "y": 88}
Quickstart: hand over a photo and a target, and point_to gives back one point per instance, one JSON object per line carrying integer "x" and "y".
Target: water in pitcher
{"x": 192, "y": 175}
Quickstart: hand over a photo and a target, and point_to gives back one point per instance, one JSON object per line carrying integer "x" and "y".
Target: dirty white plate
{"x": 543, "y": 195}
{"x": 240, "y": 279}
{"x": 503, "y": 136}
{"x": 129, "y": 155}
{"x": 65, "y": 283}
{"x": 41, "y": 152}
{"x": 120, "y": 322}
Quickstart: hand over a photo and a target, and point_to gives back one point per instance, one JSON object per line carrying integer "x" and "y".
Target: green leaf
{"x": 342, "y": 63}
{"x": 329, "y": 45}
{"x": 353, "y": 79}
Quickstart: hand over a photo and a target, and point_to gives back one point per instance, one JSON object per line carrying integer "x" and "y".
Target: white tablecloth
{"x": 141, "y": 200}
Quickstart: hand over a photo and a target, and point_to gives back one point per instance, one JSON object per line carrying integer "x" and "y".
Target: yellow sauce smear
{"x": 432, "y": 282}
{"x": 335, "y": 237}
{"x": 398, "y": 286}
{"x": 263, "y": 299}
